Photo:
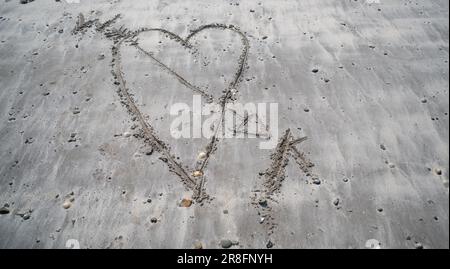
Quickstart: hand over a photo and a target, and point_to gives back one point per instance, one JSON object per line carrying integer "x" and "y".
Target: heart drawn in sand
{"x": 194, "y": 177}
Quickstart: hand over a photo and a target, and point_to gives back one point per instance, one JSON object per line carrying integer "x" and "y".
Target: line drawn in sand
{"x": 274, "y": 176}
{"x": 193, "y": 179}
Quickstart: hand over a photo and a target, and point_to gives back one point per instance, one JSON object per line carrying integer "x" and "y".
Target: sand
{"x": 87, "y": 154}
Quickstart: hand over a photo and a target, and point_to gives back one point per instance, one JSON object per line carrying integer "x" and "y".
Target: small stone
{"x": 315, "y": 70}
{"x": 336, "y": 202}
{"x": 127, "y": 134}
{"x": 269, "y": 244}
{"x": 4, "y": 210}
{"x": 423, "y": 100}
{"x": 198, "y": 245}
{"x": 225, "y": 243}
{"x": 153, "y": 220}
{"x": 418, "y": 245}
{"x": 345, "y": 179}
{"x": 149, "y": 200}
{"x": 316, "y": 181}
{"x": 197, "y": 173}
{"x": 380, "y": 210}
{"x": 225, "y": 211}
{"x": 382, "y": 147}
{"x": 201, "y": 155}
{"x": 72, "y": 138}
{"x": 438, "y": 171}
{"x": 306, "y": 109}
{"x": 326, "y": 80}
{"x": 67, "y": 204}
{"x": 391, "y": 165}
{"x": 262, "y": 202}
{"x": 185, "y": 203}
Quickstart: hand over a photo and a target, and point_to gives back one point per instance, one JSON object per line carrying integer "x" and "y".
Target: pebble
{"x": 201, "y": 155}
{"x": 225, "y": 243}
{"x": 72, "y": 138}
{"x": 225, "y": 211}
{"x": 373, "y": 244}
{"x": 153, "y": 220}
{"x": 438, "y": 171}
{"x": 382, "y": 147}
{"x": 418, "y": 245}
{"x": 336, "y": 201}
{"x": 198, "y": 245}
{"x": 269, "y": 244}
{"x": 186, "y": 203}
{"x": 315, "y": 70}
{"x": 127, "y": 134}
{"x": 197, "y": 173}
{"x": 345, "y": 179}
{"x": 67, "y": 204}
{"x": 262, "y": 202}
{"x": 380, "y": 209}
{"x": 316, "y": 181}
{"x": 391, "y": 165}
{"x": 4, "y": 210}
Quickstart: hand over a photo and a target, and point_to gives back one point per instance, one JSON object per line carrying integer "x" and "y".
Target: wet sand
{"x": 87, "y": 153}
